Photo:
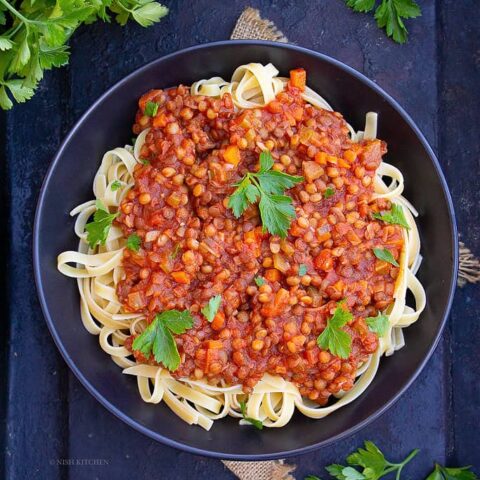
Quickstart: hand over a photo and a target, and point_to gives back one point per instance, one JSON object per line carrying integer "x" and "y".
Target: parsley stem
{"x": 15, "y": 12}
{"x": 399, "y": 466}
{"x": 121, "y": 5}
{"x": 15, "y": 30}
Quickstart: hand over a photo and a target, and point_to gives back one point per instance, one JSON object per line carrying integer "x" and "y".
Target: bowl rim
{"x": 184, "y": 446}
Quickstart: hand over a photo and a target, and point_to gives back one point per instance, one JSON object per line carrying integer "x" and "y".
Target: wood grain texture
{"x": 435, "y": 76}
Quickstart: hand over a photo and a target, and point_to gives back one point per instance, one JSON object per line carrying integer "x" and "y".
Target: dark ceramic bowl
{"x": 107, "y": 124}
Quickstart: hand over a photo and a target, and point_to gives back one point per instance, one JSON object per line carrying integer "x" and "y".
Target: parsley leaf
{"x": 389, "y": 15}
{"x": 259, "y": 281}
{"x": 276, "y": 212}
{"x": 370, "y": 458}
{"x": 312, "y": 477}
{"x": 329, "y": 192}
{"x": 351, "y": 474}
{"x": 158, "y": 339}
{"x": 256, "y": 423}
{"x": 361, "y": 5}
{"x": 385, "y": 255}
{"x": 276, "y": 209}
{"x": 302, "y": 270}
{"x": 97, "y": 231}
{"x": 149, "y": 13}
{"x": 266, "y": 161}
{"x": 37, "y": 31}
{"x": 378, "y": 324}
{"x": 335, "y": 339}
{"x": 5, "y": 44}
{"x": 448, "y": 473}
{"x": 394, "y": 216}
{"x": 115, "y": 185}
{"x": 245, "y": 194}
{"x": 133, "y": 242}
{"x": 151, "y": 109}
{"x": 211, "y": 309}
{"x": 335, "y": 470}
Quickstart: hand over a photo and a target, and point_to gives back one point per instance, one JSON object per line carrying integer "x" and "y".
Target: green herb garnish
{"x": 276, "y": 209}
{"x": 145, "y": 162}
{"x": 133, "y": 242}
{"x": 302, "y": 270}
{"x": 335, "y": 339}
{"x": 158, "y": 338}
{"x": 389, "y": 15}
{"x": 372, "y": 462}
{"x": 451, "y": 473}
{"x": 211, "y": 309}
{"x": 35, "y": 34}
{"x": 259, "y": 281}
{"x": 385, "y": 255}
{"x": 329, "y": 192}
{"x": 394, "y": 216}
{"x": 151, "y": 109}
{"x": 115, "y": 185}
{"x": 373, "y": 466}
{"x": 378, "y": 324}
{"x": 97, "y": 231}
{"x": 256, "y": 423}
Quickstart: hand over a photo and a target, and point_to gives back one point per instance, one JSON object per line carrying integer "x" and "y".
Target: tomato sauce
{"x": 194, "y": 248}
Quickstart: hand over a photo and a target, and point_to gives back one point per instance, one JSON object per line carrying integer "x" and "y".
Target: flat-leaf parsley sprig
{"x": 371, "y": 464}
{"x": 276, "y": 208}
{"x": 389, "y": 15}
{"x": 34, "y": 36}
{"x": 395, "y": 216}
{"x": 158, "y": 338}
{"x": 97, "y": 230}
{"x": 335, "y": 339}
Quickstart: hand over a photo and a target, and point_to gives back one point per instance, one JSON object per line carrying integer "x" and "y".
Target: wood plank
{"x": 36, "y": 419}
{"x": 460, "y": 153}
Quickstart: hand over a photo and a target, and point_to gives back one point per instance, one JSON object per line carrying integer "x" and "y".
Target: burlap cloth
{"x": 251, "y": 26}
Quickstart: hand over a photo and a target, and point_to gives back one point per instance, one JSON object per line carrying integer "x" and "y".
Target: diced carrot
{"x": 250, "y": 237}
{"x": 321, "y": 158}
{"x": 218, "y": 323}
{"x": 272, "y": 275}
{"x": 343, "y": 163}
{"x": 298, "y": 78}
{"x": 297, "y": 113}
{"x": 350, "y": 156}
{"x": 160, "y": 120}
{"x": 181, "y": 277}
{"x": 382, "y": 267}
{"x": 232, "y": 155}
{"x": 274, "y": 107}
{"x": 281, "y": 297}
{"x": 215, "y": 344}
{"x": 290, "y": 118}
{"x": 323, "y": 261}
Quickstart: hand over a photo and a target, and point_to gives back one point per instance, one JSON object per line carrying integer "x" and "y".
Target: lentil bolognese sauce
{"x": 246, "y": 257}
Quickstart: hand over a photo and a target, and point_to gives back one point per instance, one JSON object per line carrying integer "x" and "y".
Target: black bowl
{"x": 107, "y": 124}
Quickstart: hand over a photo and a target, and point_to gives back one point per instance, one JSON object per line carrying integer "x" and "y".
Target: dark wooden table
{"x": 47, "y": 415}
